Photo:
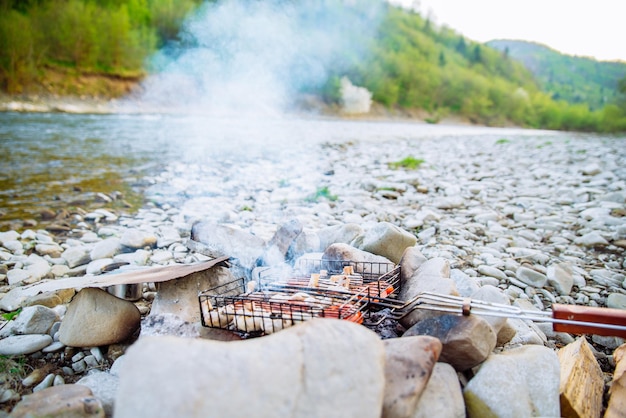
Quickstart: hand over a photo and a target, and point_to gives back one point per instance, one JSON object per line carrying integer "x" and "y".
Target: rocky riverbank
{"x": 538, "y": 219}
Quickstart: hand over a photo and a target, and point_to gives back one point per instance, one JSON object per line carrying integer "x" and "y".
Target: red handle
{"x": 577, "y": 313}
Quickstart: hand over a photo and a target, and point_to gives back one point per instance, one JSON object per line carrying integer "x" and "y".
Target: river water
{"x": 55, "y": 161}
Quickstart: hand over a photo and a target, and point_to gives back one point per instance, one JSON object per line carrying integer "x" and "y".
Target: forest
{"x": 414, "y": 64}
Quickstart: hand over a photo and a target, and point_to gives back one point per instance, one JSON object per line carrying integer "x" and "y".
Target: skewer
{"x": 565, "y": 318}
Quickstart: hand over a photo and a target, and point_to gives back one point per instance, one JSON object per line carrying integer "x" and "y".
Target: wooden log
{"x": 582, "y": 381}
{"x": 617, "y": 401}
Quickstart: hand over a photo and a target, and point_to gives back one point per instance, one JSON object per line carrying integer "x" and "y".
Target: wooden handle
{"x": 577, "y": 313}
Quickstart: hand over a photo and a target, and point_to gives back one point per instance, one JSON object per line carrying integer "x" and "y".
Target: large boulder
{"x": 521, "y": 382}
{"x": 179, "y": 297}
{"x": 443, "y": 396}
{"x": 95, "y": 318}
{"x": 467, "y": 340}
{"x": 320, "y": 368}
{"x": 409, "y": 364}
{"x": 431, "y": 276}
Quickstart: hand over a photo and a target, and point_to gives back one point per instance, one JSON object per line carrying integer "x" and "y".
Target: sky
{"x": 576, "y": 27}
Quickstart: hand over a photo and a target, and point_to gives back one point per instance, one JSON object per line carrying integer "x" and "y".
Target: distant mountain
{"x": 571, "y": 78}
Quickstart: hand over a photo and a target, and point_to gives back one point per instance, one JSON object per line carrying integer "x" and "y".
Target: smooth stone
{"x": 465, "y": 284}
{"x": 96, "y": 318}
{"x": 103, "y": 386}
{"x": 99, "y": 266}
{"x": 180, "y": 297}
{"x": 338, "y": 234}
{"x": 107, "y": 248}
{"x": 491, "y": 294}
{"x": 560, "y": 276}
{"x": 616, "y": 301}
{"x": 346, "y": 252}
{"x": 443, "y": 396}
{"x": 50, "y": 299}
{"x": 136, "y": 239}
{"x": 491, "y": 272}
{"x": 15, "y": 246}
{"x": 275, "y": 251}
{"x": 411, "y": 260}
{"x": 521, "y": 382}
{"x": 325, "y": 375}
{"x": 74, "y": 401}
{"x": 432, "y": 276}
{"x": 8, "y": 236}
{"x": 467, "y": 340}
{"x": 17, "y": 276}
{"x": 76, "y": 256}
{"x": 137, "y": 258}
{"x": 592, "y": 239}
{"x": 16, "y": 345}
{"x": 216, "y": 240}
{"x": 387, "y": 240}
{"x": 409, "y": 363}
{"x": 50, "y": 249}
{"x": 531, "y": 277}
{"x": 32, "y": 320}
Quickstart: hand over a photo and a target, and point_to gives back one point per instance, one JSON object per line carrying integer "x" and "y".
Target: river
{"x": 55, "y": 161}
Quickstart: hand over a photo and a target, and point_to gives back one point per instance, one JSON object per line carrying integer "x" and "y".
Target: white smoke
{"x": 354, "y": 99}
{"x": 257, "y": 57}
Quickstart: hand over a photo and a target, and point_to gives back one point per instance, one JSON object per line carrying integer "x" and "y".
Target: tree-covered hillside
{"x": 566, "y": 77}
{"x": 413, "y": 65}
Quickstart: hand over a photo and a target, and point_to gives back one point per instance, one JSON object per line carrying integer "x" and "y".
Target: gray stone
{"x": 50, "y": 249}
{"x": 136, "y": 239}
{"x": 592, "y": 239}
{"x": 99, "y": 266}
{"x": 521, "y": 382}
{"x": 17, "y": 345}
{"x": 96, "y": 318}
{"x": 75, "y": 401}
{"x": 338, "y": 234}
{"x": 76, "y": 256}
{"x": 387, "y": 240}
{"x": 106, "y": 248}
{"x": 32, "y": 320}
{"x": 467, "y": 340}
{"x": 137, "y": 258}
{"x": 443, "y": 397}
{"x": 346, "y": 252}
{"x": 17, "y": 276}
{"x": 411, "y": 260}
{"x": 335, "y": 361}
{"x": 561, "y": 277}
{"x": 180, "y": 297}
{"x": 408, "y": 366}
{"x": 103, "y": 386}
{"x": 167, "y": 235}
{"x": 531, "y": 277}
{"x": 465, "y": 284}
{"x": 220, "y": 240}
{"x": 616, "y": 301}
{"x": 275, "y": 251}
{"x": 491, "y": 272}
{"x": 432, "y": 276}
{"x": 8, "y": 236}
{"x": 492, "y": 294}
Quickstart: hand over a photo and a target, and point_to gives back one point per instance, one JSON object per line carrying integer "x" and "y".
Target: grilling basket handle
{"x": 589, "y": 320}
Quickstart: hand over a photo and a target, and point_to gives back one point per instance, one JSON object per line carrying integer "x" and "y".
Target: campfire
{"x": 345, "y": 290}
